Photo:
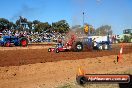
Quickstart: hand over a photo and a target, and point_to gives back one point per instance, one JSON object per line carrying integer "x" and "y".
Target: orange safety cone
{"x": 118, "y": 57}
{"x": 120, "y": 53}
{"x": 81, "y": 71}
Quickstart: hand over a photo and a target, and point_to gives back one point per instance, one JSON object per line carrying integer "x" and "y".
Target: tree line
{"x": 22, "y": 24}
{"x": 100, "y": 31}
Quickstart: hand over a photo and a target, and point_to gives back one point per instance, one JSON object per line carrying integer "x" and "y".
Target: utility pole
{"x": 83, "y": 19}
{"x": 83, "y": 22}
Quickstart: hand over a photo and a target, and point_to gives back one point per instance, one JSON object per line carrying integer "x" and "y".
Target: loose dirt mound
{"x": 10, "y": 57}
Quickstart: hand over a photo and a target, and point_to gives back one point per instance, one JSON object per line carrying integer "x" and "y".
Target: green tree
{"x": 127, "y": 38}
{"x": 11, "y": 26}
{"x": 36, "y": 22}
{"x": 43, "y": 26}
{"x": 35, "y": 25}
{"x": 6, "y": 24}
{"x": 3, "y": 23}
{"x": 103, "y": 30}
{"x": 61, "y": 26}
{"x": 30, "y": 24}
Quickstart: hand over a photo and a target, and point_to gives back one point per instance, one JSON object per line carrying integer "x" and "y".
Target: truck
{"x": 125, "y": 37}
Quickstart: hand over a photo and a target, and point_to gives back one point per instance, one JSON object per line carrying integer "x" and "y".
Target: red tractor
{"x": 68, "y": 45}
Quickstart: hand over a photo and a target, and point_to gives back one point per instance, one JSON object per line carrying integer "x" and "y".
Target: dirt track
{"x": 35, "y": 73}
{"x": 54, "y": 74}
{"x": 13, "y": 56}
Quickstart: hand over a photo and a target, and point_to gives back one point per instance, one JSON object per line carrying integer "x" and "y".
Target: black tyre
{"x": 77, "y": 46}
{"x": 16, "y": 44}
{"x": 49, "y": 50}
{"x": 100, "y": 47}
{"x": 81, "y": 80}
{"x": 7, "y": 44}
{"x": 94, "y": 45}
{"x": 105, "y": 46}
{"x": 2, "y": 44}
{"x": 23, "y": 41}
{"x": 57, "y": 51}
{"x": 66, "y": 50}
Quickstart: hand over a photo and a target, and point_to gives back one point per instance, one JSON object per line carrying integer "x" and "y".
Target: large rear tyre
{"x": 77, "y": 46}
{"x": 23, "y": 42}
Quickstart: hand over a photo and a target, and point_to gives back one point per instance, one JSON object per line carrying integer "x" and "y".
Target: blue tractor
{"x": 92, "y": 42}
{"x": 17, "y": 41}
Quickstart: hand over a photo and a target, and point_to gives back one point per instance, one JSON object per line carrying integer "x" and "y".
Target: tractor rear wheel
{"x": 23, "y": 42}
{"x": 77, "y": 46}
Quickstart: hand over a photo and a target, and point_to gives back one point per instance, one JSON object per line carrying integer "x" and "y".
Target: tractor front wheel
{"x": 49, "y": 50}
{"x": 57, "y": 51}
{"x": 7, "y": 44}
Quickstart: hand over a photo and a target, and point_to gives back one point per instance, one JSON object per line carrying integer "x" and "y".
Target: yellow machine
{"x": 86, "y": 28}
